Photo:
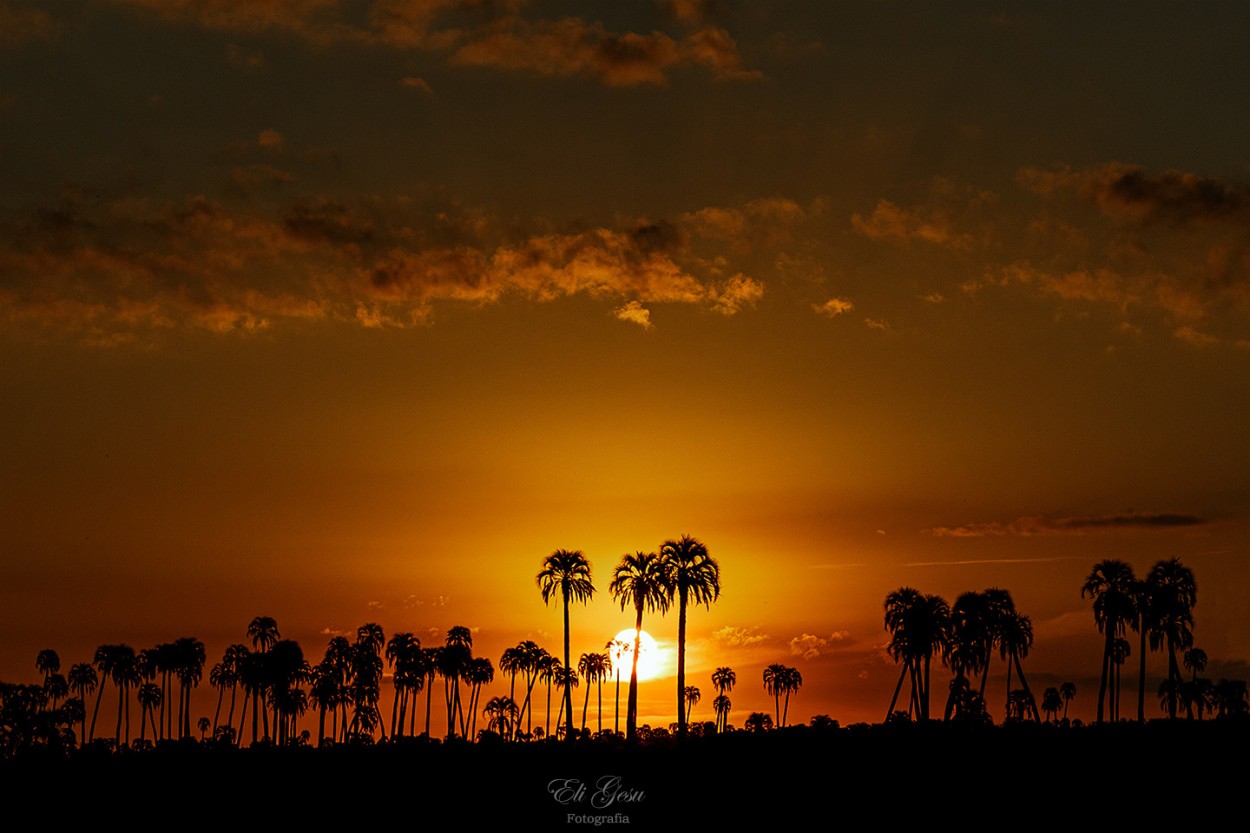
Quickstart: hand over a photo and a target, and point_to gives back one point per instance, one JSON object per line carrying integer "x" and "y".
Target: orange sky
{"x": 354, "y": 311}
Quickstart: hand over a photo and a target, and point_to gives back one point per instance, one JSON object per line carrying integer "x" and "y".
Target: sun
{"x": 649, "y": 659}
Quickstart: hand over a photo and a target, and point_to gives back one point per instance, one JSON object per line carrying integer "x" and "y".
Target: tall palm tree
{"x": 548, "y": 668}
{"x": 593, "y": 668}
{"x": 723, "y": 679}
{"x": 774, "y": 684}
{"x": 1052, "y": 702}
{"x": 642, "y": 581}
{"x": 968, "y": 648}
{"x": 1111, "y": 586}
{"x": 692, "y": 575}
{"x": 1015, "y": 634}
{"x": 477, "y": 673}
{"x": 1067, "y": 691}
{"x": 566, "y": 573}
{"x": 1174, "y": 593}
{"x": 189, "y": 659}
{"x": 48, "y": 662}
{"x": 83, "y": 680}
{"x": 693, "y": 695}
{"x": 721, "y": 704}
{"x": 502, "y": 714}
{"x": 918, "y": 626}
{"x": 400, "y": 650}
{"x": 617, "y": 650}
{"x": 791, "y": 683}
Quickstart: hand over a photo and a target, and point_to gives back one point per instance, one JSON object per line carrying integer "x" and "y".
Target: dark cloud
{"x": 1028, "y": 526}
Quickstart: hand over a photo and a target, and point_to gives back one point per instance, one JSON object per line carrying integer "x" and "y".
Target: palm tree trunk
{"x": 568, "y": 680}
{"x": 631, "y": 707}
{"x": 897, "y": 688}
{"x": 681, "y": 663}
{"x": 1141, "y": 674}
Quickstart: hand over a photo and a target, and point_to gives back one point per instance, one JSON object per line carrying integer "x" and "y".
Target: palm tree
{"x": 263, "y": 631}
{"x": 149, "y": 695}
{"x": 693, "y": 696}
{"x": 918, "y": 626}
{"x": 548, "y": 667}
{"x": 1173, "y": 596}
{"x": 1067, "y": 691}
{"x": 1111, "y": 586}
{"x": 640, "y": 580}
{"x": 691, "y": 575}
{"x": 83, "y": 680}
{"x": 968, "y": 648}
{"x": 617, "y": 650}
{"x": 566, "y": 572}
{"x": 593, "y": 668}
{"x": 189, "y": 658}
{"x": 400, "y": 651}
{"x": 774, "y": 684}
{"x": 758, "y": 722}
{"x": 721, "y": 704}
{"x": 791, "y": 682}
{"x": 478, "y": 673}
{"x": 1015, "y": 636}
{"x": 47, "y": 663}
{"x": 502, "y": 714}
{"x": 723, "y": 679}
{"x": 1052, "y": 702}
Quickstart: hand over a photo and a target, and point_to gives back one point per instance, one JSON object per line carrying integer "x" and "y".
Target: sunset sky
{"x": 342, "y": 311}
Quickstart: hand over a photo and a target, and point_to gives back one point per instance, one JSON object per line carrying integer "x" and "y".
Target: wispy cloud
{"x": 739, "y": 637}
{"x": 1038, "y": 525}
{"x": 471, "y": 33}
{"x": 809, "y": 646}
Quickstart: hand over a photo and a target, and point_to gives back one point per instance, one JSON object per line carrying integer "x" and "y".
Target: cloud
{"x": 414, "y": 82}
{"x": 810, "y": 647}
{"x": 128, "y": 270}
{"x": 474, "y": 33}
{"x": 739, "y": 637}
{"x": 834, "y": 307}
{"x": 270, "y": 138}
{"x": 889, "y": 222}
{"x": 634, "y": 312}
{"x": 1036, "y": 525}
{"x": 738, "y": 292}
{"x": 1130, "y": 193}
{"x": 878, "y": 324}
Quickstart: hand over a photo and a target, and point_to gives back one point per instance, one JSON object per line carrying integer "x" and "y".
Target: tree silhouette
{"x": 1173, "y": 595}
{"x": 1111, "y": 586}
{"x": 918, "y": 626}
{"x": 592, "y": 668}
{"x": 968, "y": 647}
{"x": 774, "y": 684}
{"x": 639, "y": 580}
{"x": 1067, "y": 691}
{"x": 723, "y": 679}
{"x": 1015, "y": 638}
{"x": 693, "y": 695}
{"x": 617, "y": 649}
{"x": 758, "y": 722}
{"x": 691, "y": 575}
{"x": 1052, "y": 702}
{"x": 83, "y": 680}
{"x": 566, "y": 573}
{"x": 501, "y": 715}
{"x": 402, "y": 651}
{"x": 721, "y": 705}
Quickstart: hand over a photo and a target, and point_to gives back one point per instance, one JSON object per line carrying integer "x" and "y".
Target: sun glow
{"x": 650, "y": 660}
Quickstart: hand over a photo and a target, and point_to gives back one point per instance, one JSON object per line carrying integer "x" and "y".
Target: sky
{"x": 347, "y": 311}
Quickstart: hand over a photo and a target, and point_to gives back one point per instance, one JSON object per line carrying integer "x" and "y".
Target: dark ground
{"x": 880, "y": 777}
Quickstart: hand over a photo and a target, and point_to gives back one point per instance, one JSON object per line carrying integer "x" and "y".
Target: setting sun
{"x": 650, "y": 655}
